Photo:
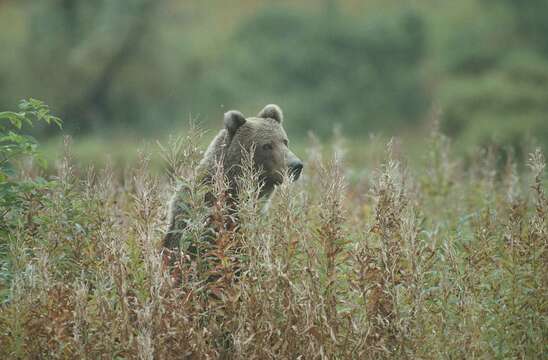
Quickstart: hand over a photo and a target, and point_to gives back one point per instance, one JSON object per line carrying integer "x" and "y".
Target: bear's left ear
{"x": 272, "y": 112}
{"x": 233, "y": 120}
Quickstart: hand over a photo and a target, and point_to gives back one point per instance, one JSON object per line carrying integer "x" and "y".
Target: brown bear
{"x": 265, "y": 136}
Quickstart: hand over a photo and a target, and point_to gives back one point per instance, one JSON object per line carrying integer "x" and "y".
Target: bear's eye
{"x": 267, "y": 147}
{"x": 286, "y": 143}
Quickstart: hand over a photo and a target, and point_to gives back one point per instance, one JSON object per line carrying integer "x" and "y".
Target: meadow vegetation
{"x": 440, "y": 259}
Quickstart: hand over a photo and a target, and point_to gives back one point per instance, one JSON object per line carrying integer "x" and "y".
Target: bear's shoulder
{"x": 214, "y": 151}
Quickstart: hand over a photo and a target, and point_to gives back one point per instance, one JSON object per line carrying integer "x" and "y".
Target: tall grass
{"x": 434, "y": 261}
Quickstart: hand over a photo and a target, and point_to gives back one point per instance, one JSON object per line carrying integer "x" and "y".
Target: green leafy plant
{"x": 14, "y": 145}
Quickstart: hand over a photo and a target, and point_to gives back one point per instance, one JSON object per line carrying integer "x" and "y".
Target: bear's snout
{"x": 295, "y": 169}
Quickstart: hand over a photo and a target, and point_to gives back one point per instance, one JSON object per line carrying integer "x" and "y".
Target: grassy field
{"x": 370, "y": 258}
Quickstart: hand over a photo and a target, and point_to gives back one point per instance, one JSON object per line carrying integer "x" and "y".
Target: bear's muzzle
{"x": 295, "y": 169}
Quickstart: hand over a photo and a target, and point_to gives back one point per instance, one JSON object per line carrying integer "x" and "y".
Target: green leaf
{"x": 16, "y": 119}
{"x": 7, "y": 169}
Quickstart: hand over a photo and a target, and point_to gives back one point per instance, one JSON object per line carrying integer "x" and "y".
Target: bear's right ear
{"x": 233, "y": 120}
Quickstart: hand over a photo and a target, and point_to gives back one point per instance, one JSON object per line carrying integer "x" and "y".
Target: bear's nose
{"x": 295, "y": 169}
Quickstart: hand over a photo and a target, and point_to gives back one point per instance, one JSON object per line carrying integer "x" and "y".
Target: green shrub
{"x": 14, "y": 146}
{"x": 17, "y": 194}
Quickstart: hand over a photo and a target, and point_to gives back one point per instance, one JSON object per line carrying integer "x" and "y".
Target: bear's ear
{"x": 233, "y": 120}
{"x": 272, "y": 112}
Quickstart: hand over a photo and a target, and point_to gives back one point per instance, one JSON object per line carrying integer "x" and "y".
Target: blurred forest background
{"x": 121, "y": 71}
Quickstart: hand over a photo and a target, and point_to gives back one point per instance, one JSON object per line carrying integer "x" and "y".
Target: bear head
{"x": 266, "y": 137}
